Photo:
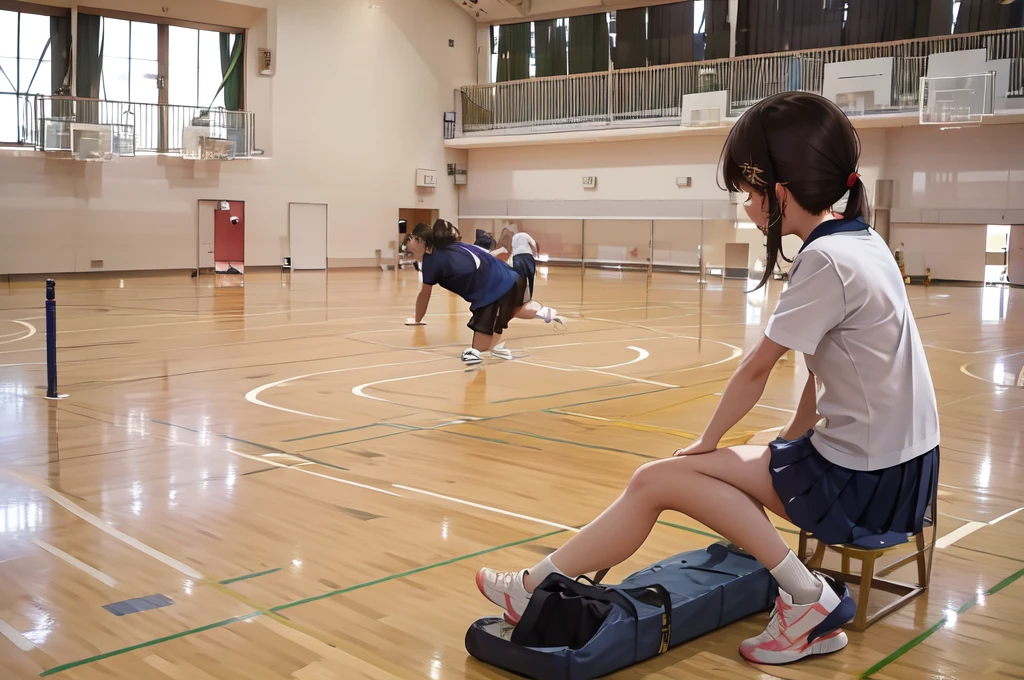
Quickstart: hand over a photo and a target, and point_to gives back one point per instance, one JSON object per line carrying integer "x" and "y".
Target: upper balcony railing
{"x": 652, "y": 94}
{"x": 190, "y": 131}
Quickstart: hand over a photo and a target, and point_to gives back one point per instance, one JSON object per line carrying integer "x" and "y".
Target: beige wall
{"x": 354, "y": 108}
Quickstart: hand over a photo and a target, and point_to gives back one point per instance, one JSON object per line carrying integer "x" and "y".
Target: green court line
{"x": 142, "y": 645}
{"x": 572, "y": 443}
{"x": 249, "y": 576}
{"x": 392, "y": 577}
{"x": 348, "y": 429}
{"x": 270, "y": 449}
{"x": 937, "y": 625}
{"x": 690, "y": 529}
{"x": 226, "y": 622}
{"x": 359, "y": 441}
{"x": 557, "y": 394}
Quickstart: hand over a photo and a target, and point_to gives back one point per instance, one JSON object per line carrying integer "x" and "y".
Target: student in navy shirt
{"x": 494, "y": 291}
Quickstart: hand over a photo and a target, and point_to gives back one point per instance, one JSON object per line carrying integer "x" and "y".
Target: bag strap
{"x": 665, "y": 599}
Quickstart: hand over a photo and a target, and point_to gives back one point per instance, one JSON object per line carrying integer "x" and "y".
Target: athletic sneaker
{"x": 799, "y": 630}
{"x": 502, "y": 353}
{"x": 550, "y": 315}
{"x": 471, "y": 356}
{"x": 505, "y": 589}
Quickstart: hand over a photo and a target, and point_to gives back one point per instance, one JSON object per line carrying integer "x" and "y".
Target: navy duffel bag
{"x": 574, "y": 630}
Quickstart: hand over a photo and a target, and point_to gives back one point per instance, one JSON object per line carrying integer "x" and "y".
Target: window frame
{"x": 163, "y": 25}
{"x": 19, "y": 7}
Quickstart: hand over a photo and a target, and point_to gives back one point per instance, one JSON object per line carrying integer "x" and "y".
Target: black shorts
{"x": 525, "y": 266}
{"x": 495, "y": 317}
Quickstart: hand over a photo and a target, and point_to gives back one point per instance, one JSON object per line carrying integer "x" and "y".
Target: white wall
{"x": 354, "y": 108}
{"x": 969, "y": 169}
{"x": 642, "y": 170}
{"x": 953, "y": 251}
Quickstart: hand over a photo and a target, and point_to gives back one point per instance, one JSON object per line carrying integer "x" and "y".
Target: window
{"x": 26, "y": 66}
{"x": 191, "y": 74}
{"x": 194, "y": 67}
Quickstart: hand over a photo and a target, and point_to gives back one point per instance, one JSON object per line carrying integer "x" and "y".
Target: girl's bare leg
{"x": 726, "y": 490}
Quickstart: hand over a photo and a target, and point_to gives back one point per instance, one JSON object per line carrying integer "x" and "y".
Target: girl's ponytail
{"x": 444, "y": 234}
{"x": 857, "y": 203}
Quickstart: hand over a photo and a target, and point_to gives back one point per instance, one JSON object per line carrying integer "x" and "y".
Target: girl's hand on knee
{"x": 699, "y": 446}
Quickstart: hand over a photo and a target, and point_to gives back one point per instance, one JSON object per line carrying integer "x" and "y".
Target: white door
{"x": 206, "y": 209}
{"x": 307, "y": 235}
{"x": 1015, "y": 255}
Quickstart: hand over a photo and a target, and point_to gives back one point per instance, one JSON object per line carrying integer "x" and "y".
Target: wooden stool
{"x": 869, "y": 578}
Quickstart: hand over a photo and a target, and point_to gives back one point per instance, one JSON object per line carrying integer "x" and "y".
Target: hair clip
{"x": 752, "y": 174}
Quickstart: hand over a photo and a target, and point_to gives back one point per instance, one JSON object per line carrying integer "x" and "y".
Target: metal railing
{"x": 138, "y": 128}
{"x": 655, "y": 93}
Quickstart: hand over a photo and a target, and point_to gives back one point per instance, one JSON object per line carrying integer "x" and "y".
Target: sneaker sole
{"x": 827, "y": 645}
{"x": 509, "y": 619}
{"x": 472, "y": 362}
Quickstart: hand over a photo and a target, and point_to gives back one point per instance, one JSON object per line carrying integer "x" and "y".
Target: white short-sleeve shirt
{"x": 846, "y": 309}
{"x": 523, "y": 244}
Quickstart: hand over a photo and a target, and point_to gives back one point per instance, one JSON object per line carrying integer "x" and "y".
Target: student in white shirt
{"x": 860, "y": 457}
{"x": 521, "y": 250}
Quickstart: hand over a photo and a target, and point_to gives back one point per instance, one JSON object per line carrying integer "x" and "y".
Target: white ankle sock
{"x": 542, "y": 570}
{"x": 793, "y": 577}
{"x": 546, "y": 313}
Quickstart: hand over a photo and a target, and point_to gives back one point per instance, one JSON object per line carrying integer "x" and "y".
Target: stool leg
{"x": 867, "y": 576}
{"x": 801, "y": 549}
{"x": 922, "y": 562}
{"x": 846, "y": 564}
{"x": 818, "y": 557}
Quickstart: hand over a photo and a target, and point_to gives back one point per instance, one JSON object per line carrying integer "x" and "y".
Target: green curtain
{"x": 551, "y": 48}
{"x": 90, "y": 56}
{"x": 514, "y": 52}
{"x": 232, "y": 68}
{"x": 670, "y": 34}
{"x": 588, "y": 43}
{"x": 630, "y": 38}
{"x": 60, "y": 55}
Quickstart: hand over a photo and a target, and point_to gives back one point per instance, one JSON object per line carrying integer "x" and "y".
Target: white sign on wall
{"x": 590, "y": 182}
{"x": 426, "y": 178}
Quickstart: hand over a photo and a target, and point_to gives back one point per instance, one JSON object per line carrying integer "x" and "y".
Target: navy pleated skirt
{"x": 839, "y": 505}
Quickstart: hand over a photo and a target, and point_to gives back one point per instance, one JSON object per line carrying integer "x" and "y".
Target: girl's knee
{"x": 652, "y": 480}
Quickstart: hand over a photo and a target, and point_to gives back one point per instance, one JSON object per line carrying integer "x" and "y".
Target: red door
{"x": 228, "y": 238}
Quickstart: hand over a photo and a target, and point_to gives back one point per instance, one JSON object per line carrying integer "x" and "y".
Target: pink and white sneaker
{"x": 796, "y": 630}
{"x": 505, "y": 589}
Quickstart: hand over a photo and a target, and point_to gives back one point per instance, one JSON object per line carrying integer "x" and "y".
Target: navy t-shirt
{"x": 470, "y": 272}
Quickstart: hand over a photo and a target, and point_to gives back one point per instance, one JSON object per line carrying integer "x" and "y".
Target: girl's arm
{"x": 741, "y": 394}
{"x": 422, "y": 300}
{"x": 806, "y": 415}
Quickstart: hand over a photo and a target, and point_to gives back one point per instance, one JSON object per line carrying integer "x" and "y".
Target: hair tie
{"x": 852, "y": 179}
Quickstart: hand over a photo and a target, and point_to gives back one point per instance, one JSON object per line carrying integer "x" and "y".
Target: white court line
{"x": 641, "y": 352}
{"x": 969, "y": 528}
{"x": 997, "y": 520}
{"x": 583, "y": 369}
{"x": 26, "y": 324}
{"x": 296, "y": 468}
{"x": 954, "y": 536}
{"x": 92, "y": 519}
{"x": 770, "y": 408}
{"x": 75, "y": 562}
{"x": 358, "y": 390}
{"x": 19, "y": 640}
{"x": 253, "y": 395}
{"x": 488, "y": 508}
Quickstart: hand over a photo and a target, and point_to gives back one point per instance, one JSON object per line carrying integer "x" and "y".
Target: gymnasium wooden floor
{"x": 313, "y": 485}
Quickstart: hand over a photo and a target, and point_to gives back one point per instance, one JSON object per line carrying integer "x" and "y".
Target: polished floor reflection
{"x": 284, "y": 481}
